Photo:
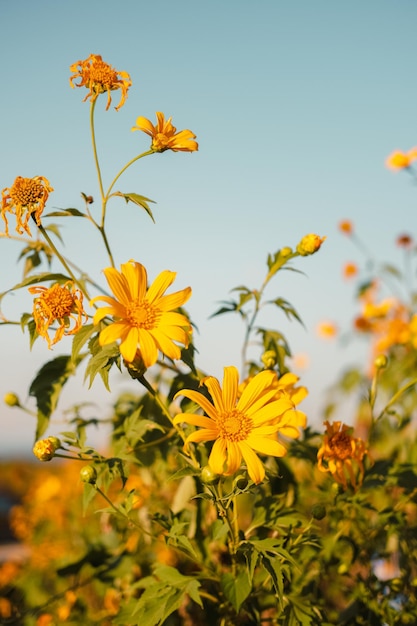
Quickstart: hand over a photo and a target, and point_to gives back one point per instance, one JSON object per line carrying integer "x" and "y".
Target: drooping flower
{"x": 346, "y": 227}
{"x": 241, "y": 426}
{"x": 143, "y": 318}
{"x": 59, "y": 303}
{"x": 309, "y": 244}
{"x": 99, "y": 77}
{"x": 165, "y": 136}
{"x": 342, "y": 455}
{"x": 25, "y": 198}
{"x": 398, "y": 160}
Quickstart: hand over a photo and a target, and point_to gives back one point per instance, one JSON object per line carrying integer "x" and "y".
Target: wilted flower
{"x": 240, "y": 426}
{"x": 346, "y": 227}
{"x": 164, "y": 135}
{"x": 144, "y": 318}
{"x": 309, "y": 244}
{"x": 25, "y": 198}
{"x": 401, "y": 160}
{"x": 59, "y": 303}
{"x": 99, "y": 77}
{"x": 342, "y": 455}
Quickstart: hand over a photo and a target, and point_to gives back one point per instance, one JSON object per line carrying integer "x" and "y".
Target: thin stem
{"x": 124, "y": 168}
{"x": 396, "y": 396}
{"x": 93, "y": 139}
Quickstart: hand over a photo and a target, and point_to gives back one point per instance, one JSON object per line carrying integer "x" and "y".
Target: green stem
{"x": 120, "y": 512}
{"x": 124, "y": 168}
{"x": 93, "y": 139}
{"x": 396, "y": 396}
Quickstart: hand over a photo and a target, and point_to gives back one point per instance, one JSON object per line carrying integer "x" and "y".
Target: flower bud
{"x": 269, "y": 359}
{"x": 286, "y": 251}
{"x": 88, "y": 474}
{"x": 241, "y": 481}
{"x": 137, "y": 367}
{"x": 381, "y": 362}
{"x": 44, "y": 450}
{"x": 309, "y": 244}
{"x": 319, "y": 511}
{"x": 11, "y": 399}
{"x": 208, "y": 477}
{"x": 55, "y": 441}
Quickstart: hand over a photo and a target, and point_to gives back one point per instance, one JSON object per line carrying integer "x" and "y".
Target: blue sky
{"x": 295, "y": 106}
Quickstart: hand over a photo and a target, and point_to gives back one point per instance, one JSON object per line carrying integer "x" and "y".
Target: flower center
{"x": 160, "y": 142}
{"x": 26, "y": 191}
{"x": 57, "y": 302}
{"x": 103, "y": 75}
{"x": 234, "y": 425}
{"x": 142, "y": 315}
{"x": 341, "y": 445}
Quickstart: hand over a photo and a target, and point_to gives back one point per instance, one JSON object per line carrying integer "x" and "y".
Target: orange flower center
{"x": 160, "y": 142}
{"x": 26, "y": 191}
{"x": 57, "y": 302}
{"x": 234, "y": 425}
{"x": 103, "y": 75}
{"x": 142, "y": 315}
{"x": 341, "y": 445}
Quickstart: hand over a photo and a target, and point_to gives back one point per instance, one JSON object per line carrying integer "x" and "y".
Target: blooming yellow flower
{"x": 26, "y": 197}
{"x": 144, "y": 318}
{"x": 59, "y": 303}
{"x": 240, "y": 426}
{"x": 164, "y": 135}
{"x": 342, "y": 455}
{"x": 309, "y": 244}
{"x": 99, "y": 77}
{"x": 350, "y": 270}
{"x": 401, "y": 160}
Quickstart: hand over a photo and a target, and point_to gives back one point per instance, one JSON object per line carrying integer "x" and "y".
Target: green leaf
{"x": 66, "y": 213}
{"x": 287, "y": 308}
{"x": 139, "y": 201}
{"x": 103, "y": 358}
{"x": 47, "y": 386}
{"x": 236, "y": 588}
{"x": 37, "y": 278}
{"x": 81, "y": 338}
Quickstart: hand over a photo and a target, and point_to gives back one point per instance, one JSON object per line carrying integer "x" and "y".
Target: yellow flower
{"x": 164, "y": 135}
{"x": 44, "y": 450}
{"x": 342, "y": 455}
{"x": 59, "y": 303}
{"x": 401, "y": 160}
{"x": 327, "y": 330}
{"x": 240, "y": 426}
{"x": 350, "y": 270}
{"x": 99, "y": 77}
{"x": 144, "y": 318}
{"x": 309, "y": 244}
{"x": 26, "y": 197}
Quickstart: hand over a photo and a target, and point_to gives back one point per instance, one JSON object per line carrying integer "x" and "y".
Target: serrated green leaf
{"x": 103, "y": 358}
{"x": 81, "y": 338}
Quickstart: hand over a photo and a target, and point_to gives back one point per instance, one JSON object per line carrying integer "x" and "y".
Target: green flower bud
{"x": 88, "y": 474}
{"x": 44, "y": 450}
{"x": 55, "y": 441}
{"x": 11, "y": 399}
{"x": 381, "y": 362}
{"x": 269, "y": 359}
{"x": 284, "y": 252}
{"x": 309, "y": 244}
{"x": 318, "y": 511}
{"x": 208, "y": 477}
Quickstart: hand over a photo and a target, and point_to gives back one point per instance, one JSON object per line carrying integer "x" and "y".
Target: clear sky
{"x": 295, "y": 106}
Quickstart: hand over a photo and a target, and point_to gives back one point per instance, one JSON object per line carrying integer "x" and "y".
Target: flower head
{"x": 59, "y": 303}
{"x": 398, "y": 160}
{"x": 164, "y": 135}
{"x": 350, "y": 270}
{"x": 342, "y": 455}
{"x": 99, "y": 77}
{"x": 143, "y": 318}
{"x": 327, "y": 330}
{"x": 405, "y": 241}
{"x": 309, "y": 244}
{"x": 45, "y": 449}
{"x": 346, "y": 227}
{"x": 26, "y": 197}
{"x": 240, "y": 426}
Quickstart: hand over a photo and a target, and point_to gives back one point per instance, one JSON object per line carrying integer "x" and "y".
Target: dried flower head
{"x": 342, "y": 455}
{"x": 61, "y": 304}
{"x": 25, "y": 198}
{"x": 165, "y": 136}
{"x": 99, "y": 77}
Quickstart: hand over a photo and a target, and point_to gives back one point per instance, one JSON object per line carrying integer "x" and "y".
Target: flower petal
{"x": 255, "y": 468}
{"x": 230, "y": 388}
{"x": 217, "y": 456}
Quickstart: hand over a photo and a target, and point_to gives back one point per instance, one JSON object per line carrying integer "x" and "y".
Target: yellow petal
{"x": 160, "y": 285}
{"x": 217, "y": 456}
{"x": 198, "y": 398}
{"x": 255, "y": 468}
{"x": 230, "y": 388}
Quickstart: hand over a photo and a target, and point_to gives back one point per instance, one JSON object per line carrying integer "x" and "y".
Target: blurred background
{"x": 295, "y": 106}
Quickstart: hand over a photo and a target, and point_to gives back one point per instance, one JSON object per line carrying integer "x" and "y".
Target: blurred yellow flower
{"x": 25, "y": 198}
{"x": 350, "y": 270}
{"x": 164, "y": 135}
{"x": 44, "y": 450}
{"x": 342, "y": 455}
{"x": 99, "y": 77}
{"x": 401, "y": 160}
{"x": 59, "y": 303}
{"x": 405, "y": 241}
{"x": 240, "y": 426}
{"x": 346, "y": 227}
{"x": 309, "y": 244}
{"x": 327, "y": 330}
{"x": 144, "y": 318}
